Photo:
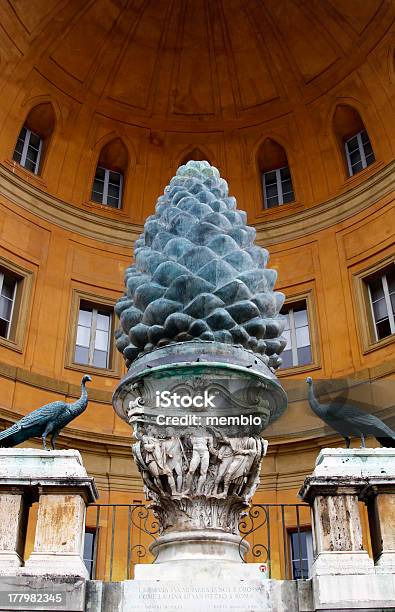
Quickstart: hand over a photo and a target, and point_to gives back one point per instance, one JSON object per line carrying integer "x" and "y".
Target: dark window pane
{"x": 113, "y": 202}
{"x": 8, "y": 287}
{"x": 356, "y": 168}
{"x": 376, "y": 289}
{"x": 304, "y": 355}
{"x": 300, "y": 315}
{"x": 355, "y": 157}
{"x": 392, "y": 298}
{"x": 270, "y": 178}
{"x": 271, "y": 202}
{"x": 352, "y": 144}
{"x": 34, "y": 140}
{"x": 115, "y": 178}
{"x": 3, "y": 328}
{"x": 81, "y": 355}
{"x": 288, "y": 197}
{"x": 370, "y": 159}
{"x": 285, "y": 173}
{"x": 286, "y": 357}
{"x": 100, "y": 359}
{"x": 100, "y": 173}
{"x": 5, "y": 308}
{"x": 383, "y": 329}
{"x": 89, "y": 539}
{"x": 380, "y": 309}
{"x": 271, "y": 191}
{"x": 29, "y": 165}
{"x": 113, "y": 191}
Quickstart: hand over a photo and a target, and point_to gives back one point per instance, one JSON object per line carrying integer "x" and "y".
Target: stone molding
{"x": 122, "y": 233}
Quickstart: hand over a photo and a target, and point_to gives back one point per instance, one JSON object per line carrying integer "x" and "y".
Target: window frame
{"x": 361, "y": 150}
{"x": 13, "y": 300}
{"x": 114, "y": 363}
{"x": 280, "y": 192}
{"x": 95, "y": 532}
{"x": 26, "y": 144}
{"x": 365, "y": 321}
{"x": 21, "y": 306}
{"x": 92, "y": 336}
{"x": 387, "y": 299}
{"x": 307, "y": 529}
{"x": 309, "y": 298}
{"x": 106, "y": 182}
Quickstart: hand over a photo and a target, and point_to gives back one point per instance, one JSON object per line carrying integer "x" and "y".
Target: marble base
{"x": 210, "y": 596}
{"x": 200, "y": 571}
{"x": 385, "y": 564}
{"x": 357, "y": 592}
{"x": 57, "y": 564}
{"x": 10, "y": 562}
{"x": 342, "y": 563}
{"x": 198, "y": 544}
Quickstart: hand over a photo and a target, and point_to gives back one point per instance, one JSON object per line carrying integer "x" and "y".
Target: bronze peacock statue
{"x": 48, "y": 420}
{"x": 350, "y": 421}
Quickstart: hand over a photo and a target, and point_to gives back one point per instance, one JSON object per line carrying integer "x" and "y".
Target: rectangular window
{"x": 28, "y": 150}
{"x": 92, "y": 346}
{"x": 359, "y": 152}
{"x": 8, "y": 299}
{"x": 381, "y": 289}
{"x": 89, "y": 551}
{"x": 107, "y": 187}
{"x": 297, "y": 351}
{"x": 277, "y": 186}
{"x": 301, "y": 553}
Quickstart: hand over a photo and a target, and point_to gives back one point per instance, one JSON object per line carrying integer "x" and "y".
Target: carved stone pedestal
{"x": 343, "y": 574}
{"x": 60, "y": 484}
{"x": 199, "y": 453}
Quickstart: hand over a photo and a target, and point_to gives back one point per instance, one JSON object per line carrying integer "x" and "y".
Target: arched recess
{"x": 31, "y": 147}
{"x": 275, "y": 173}
{"x": 109, "y": 180}
{"x": 352, "y": 138}
{"x": 195, "y": 154}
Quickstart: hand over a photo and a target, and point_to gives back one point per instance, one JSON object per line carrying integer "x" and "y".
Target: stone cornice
{"x": 68, "y": 217}
{"x": 270, "y": 231}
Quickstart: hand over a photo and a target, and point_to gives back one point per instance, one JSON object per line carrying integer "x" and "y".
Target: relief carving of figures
{"x": 159, "y": 457}
{"x": 200, "y": 465}
{"x": 236, "y": 456}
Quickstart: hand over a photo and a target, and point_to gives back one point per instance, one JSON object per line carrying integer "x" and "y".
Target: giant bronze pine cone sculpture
{"x": 198, "y": 275}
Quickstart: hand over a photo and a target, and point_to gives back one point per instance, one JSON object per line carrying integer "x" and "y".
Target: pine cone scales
{"x": 198, "y": 274}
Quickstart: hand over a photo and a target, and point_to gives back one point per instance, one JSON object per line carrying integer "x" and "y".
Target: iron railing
{"x": 124, "y": 532}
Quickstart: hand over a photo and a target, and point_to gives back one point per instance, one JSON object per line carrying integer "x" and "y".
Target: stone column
{"x": 60, "y": 484}
{"x": 14, "y": 509}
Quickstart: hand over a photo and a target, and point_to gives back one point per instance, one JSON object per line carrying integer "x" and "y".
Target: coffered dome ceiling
{"x": 211, "y": 60}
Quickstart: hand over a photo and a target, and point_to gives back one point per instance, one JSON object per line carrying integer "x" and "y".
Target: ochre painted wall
{"x": 111, "y": 71}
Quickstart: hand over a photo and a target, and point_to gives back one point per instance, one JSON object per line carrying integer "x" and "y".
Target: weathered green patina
{"x": 198, "y": 274}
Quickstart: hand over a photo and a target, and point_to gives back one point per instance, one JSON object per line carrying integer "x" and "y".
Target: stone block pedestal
{"x": 58, "y": 481}
{"x": 344, "y": 576}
